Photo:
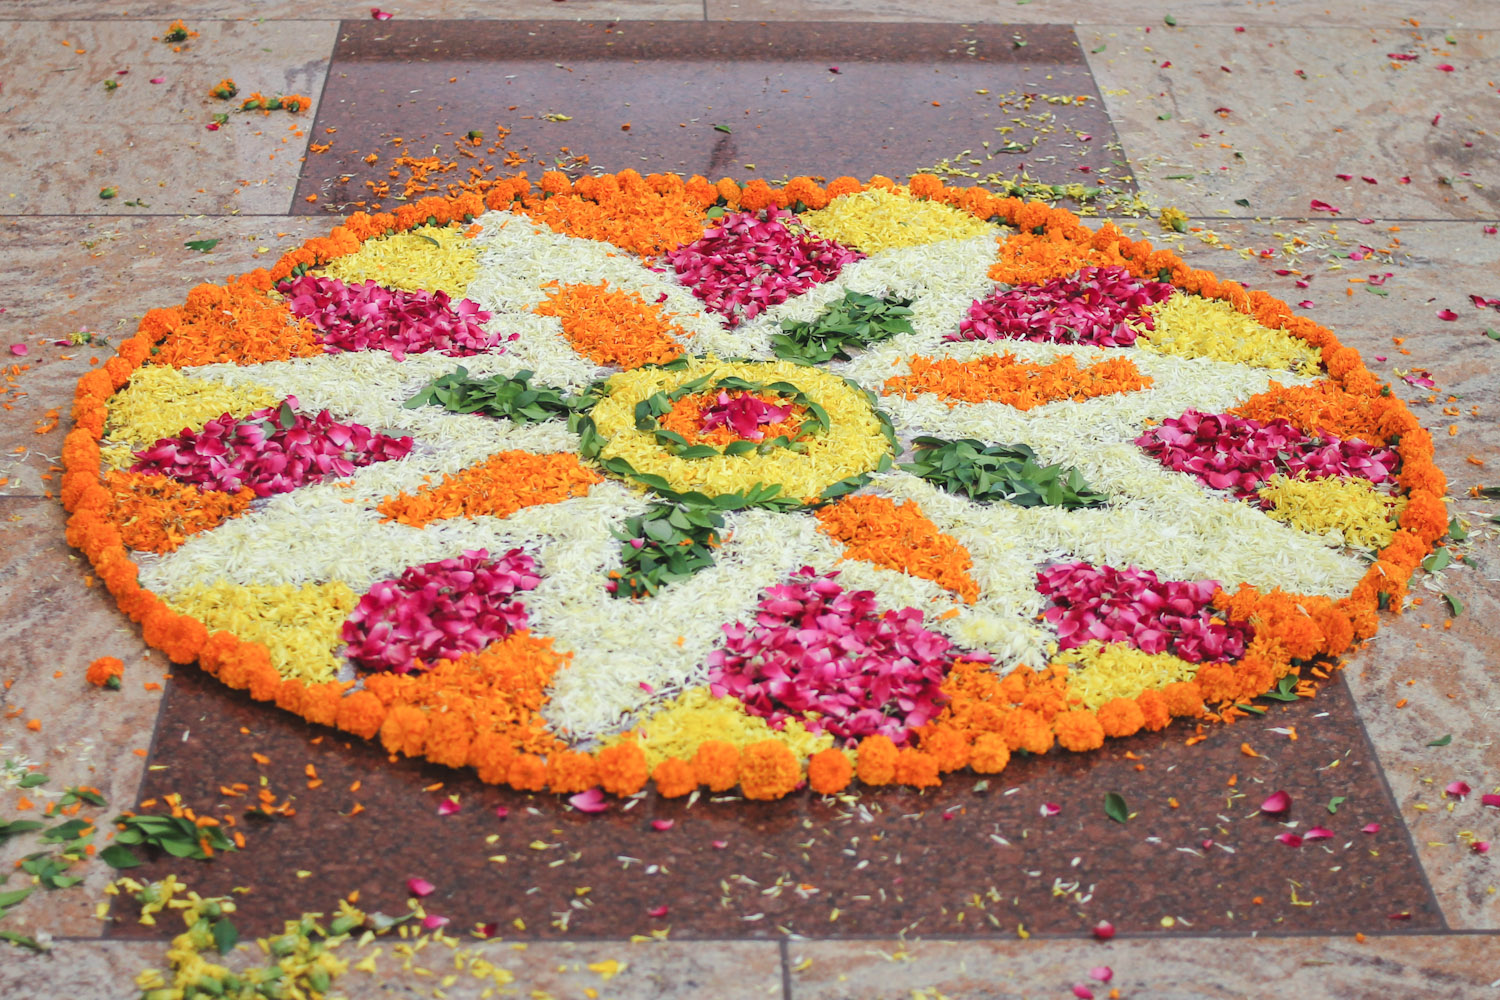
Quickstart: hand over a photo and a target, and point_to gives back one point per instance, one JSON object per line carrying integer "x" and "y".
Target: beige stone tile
{"x": 1383, "y": 13}
{"x": 63, "y": 138}
{"x": 52, "y": 625}
{"x": 1451, "y": 668}
{"x": 1167, "y": 968}
{"x": 1284, "y": 137}
{"x": 57, "y": 69}
{"x": 78, "y": 970}
{"x": 100, "y": 275}
{"x": 646, "y": 970}
{"x": 359, "y": 10}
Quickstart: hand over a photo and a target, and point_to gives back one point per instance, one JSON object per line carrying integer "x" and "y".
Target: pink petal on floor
{"x": 1318, "y": 833}
{"x": 432, "y": 921}
{"x": 448, "y": 807}
{"x": 502, "y": 811}
{"x": 1103, "y": 973}
{"x": 1289, "y": 839}
{"x": 1050, "y": 809}
{"x": 591, "y": 801}
{"x": 419, "y": 887}
{"x": 1448, "y": 315}
{"x": 1480, "y": 847}
{"x": 1370, "y": 828}
{"x": 1457, "y": 789}
{"x": 1490, "y": 800}
{"x": 1104, "y": 930}
{"x": 1082, "y": 992}
{"x": 1276, "y": 802}
{"x": 658, "y": 911}
{"x": 20, "y": 350}
{"x": 663, "y": 824}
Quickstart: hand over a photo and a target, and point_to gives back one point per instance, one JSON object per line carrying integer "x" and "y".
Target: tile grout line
{"x": 331, "y": 215}
{"x": 783, "y": 947}
{"x": 306, "y": 164}
{"x": 106, "y": 19}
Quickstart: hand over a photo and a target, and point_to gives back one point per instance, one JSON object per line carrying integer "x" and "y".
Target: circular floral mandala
{"x": 652, "y": 479}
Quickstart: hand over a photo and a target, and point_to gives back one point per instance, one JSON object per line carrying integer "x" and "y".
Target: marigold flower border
{"x": 1288, "y": 626}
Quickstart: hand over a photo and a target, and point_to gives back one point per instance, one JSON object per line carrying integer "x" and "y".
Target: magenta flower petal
{"x": 1289, "y": 839}
{"x": 1457, "y": 789}
{"x": 1276, "y": 802}
{"x": 590, "y": 801}
{"x": 1082, "y": 992}
{"x": 1050, "y": 809}
{"x": 1490, "y": 800}
{"x": 448, "y": 807}
{"x": 1104, "y": 930}
{"x": 1102, "y": 973}
{"x": 663, "y": 824}
{"x": 432, "y": 922}
{"x": 657, "y": 912}
{"x": 419, "y": 887}
{"x": 1370, "y": 828}
{"x": 1318, "y": 833}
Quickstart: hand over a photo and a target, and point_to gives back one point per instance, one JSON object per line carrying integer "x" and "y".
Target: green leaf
{"x": 75, "y": 793}
{"x": 1171, "y": 21}
{"x": 17, "y": 826}
{"x": 285, "y": 417}
{"x": 1099, "y": 49}
{"x": 1492, "y": 333}
{"x": 119, "y": 856}
{"x": 1335, "y": 802}
{"x": 1442, "y": 741}
{"x": 67, "y": 830}
{"x": 1377, "y": 290}
{"x": 1115, "y": 808}
{"x": 722, "y": 128}
{"x": 1454, "y": 605}
{"x": 1242, "y": 202}
{"x": 429, "y": 239}
{"x": 1440, "y": 559}
{"x": 1457, "y": 531}
{"x": 202, "y": 246}
{"x": 1286, "y": 690}
{"x": 226, "y": 936}
{"x": 23, "y": 941}
{"x": 8, "y": 899}
{"x": 33, "y": 779}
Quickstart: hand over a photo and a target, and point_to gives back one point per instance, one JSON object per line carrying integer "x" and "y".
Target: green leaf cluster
{"x": 1000, "y": 472}
{"x": 854, "y": 322}
{"x": 510, "y": 398}
{"x": 177, "y": 835}
{"x": 677, "y": 540}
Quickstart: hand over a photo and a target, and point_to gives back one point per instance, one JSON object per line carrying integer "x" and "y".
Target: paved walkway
{"x": 1245, "y": 116}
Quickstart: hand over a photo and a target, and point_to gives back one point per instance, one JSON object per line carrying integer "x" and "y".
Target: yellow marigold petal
{"x": 1191, "y": 326}
{"x": 410, "y": 261}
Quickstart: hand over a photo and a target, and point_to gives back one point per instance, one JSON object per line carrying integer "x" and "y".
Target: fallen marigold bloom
{"x": 106, "y": 672}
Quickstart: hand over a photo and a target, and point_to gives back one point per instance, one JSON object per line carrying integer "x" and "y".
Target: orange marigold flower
{"x": 899, "y": 537}
{"x": 179, "y": 636}
{"x": 829, "y": 771}
{"x": 361, "y": 713}
{"x": 622, "y": 769}
{"x": 1154, "y": 713}
{"x": 320, "y": 703}
{"x": 716, "y": 763}
{"x": 917, "y": 769}
{"x": 876, "y": 760}
{"x": 290, "y": 696}
{"x": 490, "y": 755}
{"x": 448, "y": 737}
{"x": 1121, "y": 717}
{"x": 674, "y": 778}
{"x": 570, "y": 771}
{"x": 990, "y": 754}
{"x": 528, "y": 773}
{"x": 1217, "y": 682}
{"x": 106, "y": 671}
{"x": 948, "y": 746}
{"x": 612, "y": 326}
{"x": 768, "y": 770}
{"x": 404, "y": 730}
{"x": 1183, "y": 698}
{"x": 1078, "y": 730}
{"x": 925, "y": 186}
{"x": 1027, "y": 730}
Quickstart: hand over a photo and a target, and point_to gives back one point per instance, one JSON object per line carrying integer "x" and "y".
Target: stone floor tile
{"x": 63, "y": 84}
{"x": 1372, "y": 13}
{"x": 359, "y": 10}
{"x": 78, "y": 970}
{"x": 1170, "y": 967}
{"x": 1210, "y": 116}
{"x": 52, "y": 625}
{"x": 67, "y": 275}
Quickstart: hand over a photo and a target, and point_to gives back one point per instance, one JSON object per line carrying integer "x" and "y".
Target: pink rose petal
{"x": 663, "y": 824}
{"x": 719, "y": 845}
{"x": 419, "y": 887}
{"x": 502, "y": 811}
{"x": 1493, "y": 801}
{"x": 158, "y": 79}
{"x": 1480, "y": 847}
{"x": 20, "y": 350}
{"x": 657, "y": 911}
{"x": 1457, "y": 789}
{"x": 1447, "y": 315}
{"x": 1082, "y": 992}
{"x": 1318, "y": 205}
{"x": 1276, "y": 802}
{"x": 379, "y": 15}
{"x": 1102, "y": 973}
{"x": 1104, "y": 930}
{"x": 1050, "y": 809}
{"x": 432, "y": 922}
{"x": 1370, "y": 828}
{"x": 1445, "y": 67}
{"x": 590, "y": 801}
{"x": 1318, "y": 833}
{"x": 1289, "y": 839}
{"x": 448, "y": 807}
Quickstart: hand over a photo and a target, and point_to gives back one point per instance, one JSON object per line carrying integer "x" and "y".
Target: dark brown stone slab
{"x": 969, "y": 858}
{"x": 741, "y": 100}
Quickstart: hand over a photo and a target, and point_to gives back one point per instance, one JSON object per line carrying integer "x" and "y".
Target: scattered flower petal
{"x": 419, "y": 887}
{"x": 591, "y": 801}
